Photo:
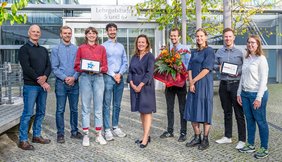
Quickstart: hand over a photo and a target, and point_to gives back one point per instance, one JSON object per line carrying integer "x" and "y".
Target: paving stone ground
{"x": 124, "y": 149}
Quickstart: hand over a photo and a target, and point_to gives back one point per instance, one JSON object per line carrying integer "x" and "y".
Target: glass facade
{"x": 269, "y": 25}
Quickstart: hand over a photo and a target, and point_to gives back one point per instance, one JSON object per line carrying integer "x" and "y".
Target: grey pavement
{"x": 124, "y": 149}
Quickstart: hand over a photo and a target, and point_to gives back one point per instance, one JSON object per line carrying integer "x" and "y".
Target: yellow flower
{"x": 164, "y": 52}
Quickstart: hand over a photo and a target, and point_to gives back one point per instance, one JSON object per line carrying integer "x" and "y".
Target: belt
{"x": 229, "y": 81}
{"x": 91, "y": 72}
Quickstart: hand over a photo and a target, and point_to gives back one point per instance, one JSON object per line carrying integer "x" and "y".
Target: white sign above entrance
{"x": 112, "y": 13}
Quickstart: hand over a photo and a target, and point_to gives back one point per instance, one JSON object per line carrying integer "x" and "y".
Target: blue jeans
{"x": 254, "y": 116}
{"x": 112, "y": 89}
{"x": 91, "y": 86}
{"x": 64, "y": 91}
{"x": 32, "y": 95}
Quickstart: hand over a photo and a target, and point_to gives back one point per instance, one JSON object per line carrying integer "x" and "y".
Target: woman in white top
{"x": 253, "y": 95}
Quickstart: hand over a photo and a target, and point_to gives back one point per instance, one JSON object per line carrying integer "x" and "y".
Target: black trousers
{"x": 228, "y": 98}
{"x": 170, "y": 93}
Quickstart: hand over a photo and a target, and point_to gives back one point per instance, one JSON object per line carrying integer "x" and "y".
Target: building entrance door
{"x": 126, "y": 35}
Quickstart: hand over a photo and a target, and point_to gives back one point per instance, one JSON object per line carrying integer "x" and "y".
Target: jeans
{"x": 228, "y": 98}
{"x": 112, "y": 89}
{"x": 91, "y": 86}
{"x": 64, "y": 91}
{"x": 170, "y": 93}
{"x": 32, "y": 95}
{"x": 254, "y": 116}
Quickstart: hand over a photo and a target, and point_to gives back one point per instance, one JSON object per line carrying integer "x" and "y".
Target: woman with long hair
{"x": 142, "y": 88}
{"x": 253, "y": 95}
{"x": 199, "y": 103}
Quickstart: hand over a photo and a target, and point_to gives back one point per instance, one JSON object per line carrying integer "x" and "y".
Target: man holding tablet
{"x": 229, "y": 61}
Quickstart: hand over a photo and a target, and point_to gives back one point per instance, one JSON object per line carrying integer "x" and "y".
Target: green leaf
{"x": 5, "y": 16}
{"x": 25, "y": 18}
{"x": 12, "y": 22}
{"x": 25, "y": 2}
{"x": 14, "y": 9}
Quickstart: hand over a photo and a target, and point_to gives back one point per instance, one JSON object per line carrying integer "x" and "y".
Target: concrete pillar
{"x": 279, "y": 51}
{"x": 198, "y": 14}
{"x": 227, "y": 14}
{"x": 184, "y": 19}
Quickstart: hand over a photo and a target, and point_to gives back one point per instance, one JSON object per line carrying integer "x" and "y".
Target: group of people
{"x": 244, "y": 91}
{"x": 104, "y": 86}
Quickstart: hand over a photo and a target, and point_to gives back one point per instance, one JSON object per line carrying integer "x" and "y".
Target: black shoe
{"x": 195, "y": 141}
{"x": 166, "y": 135}
{"x": 204, "y": 144}
{"x": 142, "y": 145}
{"x": 60, "y": 139}
{"x": 182, "y": 137}
{"x": 77, "y": 135}
{"x": 140, "y": 141}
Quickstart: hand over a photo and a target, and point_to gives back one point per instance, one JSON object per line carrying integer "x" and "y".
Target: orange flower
{"x": 177, "y": 56}
{"x": 173, "y": 59}
{"x": 164, "y": 52}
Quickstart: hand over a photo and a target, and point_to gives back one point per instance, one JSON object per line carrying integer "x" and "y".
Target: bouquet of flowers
{"x": 169, "y": 68}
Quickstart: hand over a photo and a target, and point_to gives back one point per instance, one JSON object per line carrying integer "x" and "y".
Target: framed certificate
{"x": 229, "y": 68}
{"x": 90, "y": 65}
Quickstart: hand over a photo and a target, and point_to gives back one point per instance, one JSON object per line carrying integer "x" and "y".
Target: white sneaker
{"x": 240, "y": 145}
{"x": 85, "y": 141}
{"x": 100, "y": 139}
{"x": 117, "y": 132}
{"x": 224, "y": 140}
{"x": 108, "y": 135}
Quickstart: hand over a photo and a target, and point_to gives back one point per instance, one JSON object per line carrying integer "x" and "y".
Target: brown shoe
{"x": 40, "y": 140}
{"x": 25, "y": 145}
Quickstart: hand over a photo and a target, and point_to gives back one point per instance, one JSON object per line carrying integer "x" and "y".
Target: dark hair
{"x": 136, "y": 51}
{"x": 227, "y": 30}
{"x": 111, "y": 25}
{"x": 206, "y": 43}
{"x": 175, "y": 29}
{"x": 259, "y": 50}
{"x": 87, "y": 30}
{"x": 65, "y": 27}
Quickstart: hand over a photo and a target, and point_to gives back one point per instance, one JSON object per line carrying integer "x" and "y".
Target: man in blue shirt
{"x": 62, "y": 60}
{"x": 117, "y": 66}
{"x": 181, "y": 92}
{"x": 229, "y": 83}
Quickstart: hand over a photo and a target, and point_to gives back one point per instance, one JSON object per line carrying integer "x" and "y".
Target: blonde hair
{"x": 65, "y": 27}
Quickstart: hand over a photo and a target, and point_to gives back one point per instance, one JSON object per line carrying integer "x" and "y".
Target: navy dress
{"x": 142, "y": 71}
{"x": 199, "y": 105}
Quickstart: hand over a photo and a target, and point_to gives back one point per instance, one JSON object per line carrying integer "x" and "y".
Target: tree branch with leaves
{"x": 169, "y": 15}
{"x": 11, "y": 14}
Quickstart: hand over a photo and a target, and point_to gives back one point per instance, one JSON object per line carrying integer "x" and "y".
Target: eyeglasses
{"x": 251, "y": 43}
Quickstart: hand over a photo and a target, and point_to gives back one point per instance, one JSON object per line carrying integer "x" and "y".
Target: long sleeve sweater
{"x": 95, "y": 53}
{"x": 35, "y": 62}
{"x": 254, "y": 76}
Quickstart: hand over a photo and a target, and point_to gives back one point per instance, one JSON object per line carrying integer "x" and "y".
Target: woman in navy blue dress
{"x": 142, "y": 88}
{"x": 199, "y": 103}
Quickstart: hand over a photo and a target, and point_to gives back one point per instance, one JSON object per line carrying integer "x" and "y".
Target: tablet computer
{"x": 90, "y": 65}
